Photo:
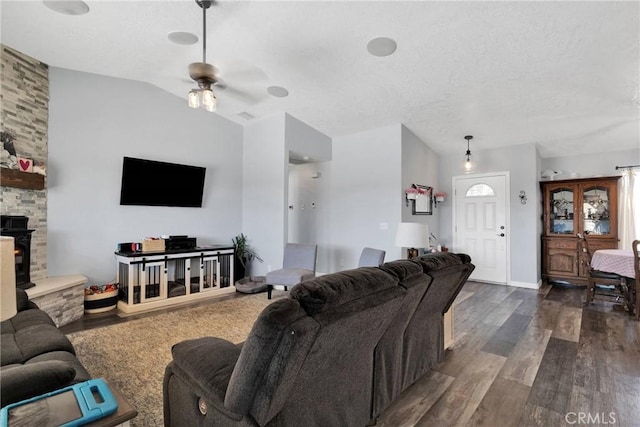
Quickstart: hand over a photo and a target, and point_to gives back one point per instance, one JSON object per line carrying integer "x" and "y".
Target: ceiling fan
{"x": 207, "y": 76}
{"x": 201, "y": 72}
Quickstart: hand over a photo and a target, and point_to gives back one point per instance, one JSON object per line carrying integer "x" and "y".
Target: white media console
{"x": 150, "y": 280}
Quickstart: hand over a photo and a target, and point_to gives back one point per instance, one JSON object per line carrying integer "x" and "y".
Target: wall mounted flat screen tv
{"x": 153, "y": 183}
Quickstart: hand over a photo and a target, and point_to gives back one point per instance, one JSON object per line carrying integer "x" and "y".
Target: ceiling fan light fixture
{"x": 202, "y": 98}
{"x": 208, "y": 99}
{"x": 194, "y": 98}
{"x": 212, "y": 106}
{"x": 202, "y": 73}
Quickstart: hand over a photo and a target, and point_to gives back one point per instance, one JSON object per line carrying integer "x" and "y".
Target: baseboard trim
{"x": 125, "y": 309}
{"x": 526, "y": 285}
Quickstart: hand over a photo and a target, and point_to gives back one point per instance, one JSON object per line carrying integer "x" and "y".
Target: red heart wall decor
{"x": 26, "y": 165}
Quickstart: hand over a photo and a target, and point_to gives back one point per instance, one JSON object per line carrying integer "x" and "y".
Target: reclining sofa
{"x": 35, "y": 357}
{"x": 337, "y": 351}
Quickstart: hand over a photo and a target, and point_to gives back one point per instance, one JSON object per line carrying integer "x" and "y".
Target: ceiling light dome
{"x": 381, "y": 46}
{"x": 182, "y": 38}
{"x": 75, "y": 7}
{"x": 277, "y": 91}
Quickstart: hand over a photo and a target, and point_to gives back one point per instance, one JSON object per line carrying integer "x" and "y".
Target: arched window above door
{"x": 480, "y": 190}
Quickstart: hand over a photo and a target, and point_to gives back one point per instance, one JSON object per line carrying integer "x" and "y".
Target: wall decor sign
{"x": 25, "y": 165}
{"x": 423, "y": 203}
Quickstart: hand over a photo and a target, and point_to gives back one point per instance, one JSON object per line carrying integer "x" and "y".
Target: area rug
{"x": 133, "y": 355}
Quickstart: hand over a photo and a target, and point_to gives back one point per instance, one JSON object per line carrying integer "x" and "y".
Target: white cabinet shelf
{"x": 150, "y": 280}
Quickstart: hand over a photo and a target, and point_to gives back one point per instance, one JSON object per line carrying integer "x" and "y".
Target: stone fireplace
{"x": 24, "y": 113}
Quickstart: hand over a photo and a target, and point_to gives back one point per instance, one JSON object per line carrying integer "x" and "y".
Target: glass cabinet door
{"x": 596, "y": 211}
{"x": 561, "y": 211}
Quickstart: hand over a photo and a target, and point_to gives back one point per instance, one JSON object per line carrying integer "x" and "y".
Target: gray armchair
{"x": 298, "y": 265}
{"x": 371, "y": 257}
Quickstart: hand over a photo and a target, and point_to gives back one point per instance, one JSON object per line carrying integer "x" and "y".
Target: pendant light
{"x": 202, "y": 73}
{"x": 468, "y": 162}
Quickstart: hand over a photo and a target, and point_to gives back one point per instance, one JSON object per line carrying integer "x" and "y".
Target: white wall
{"x": 419, "y": 166}
{"x": 359, "y": 193}
{"x": 591, "y": 165}
{"x": 521, "y": 161}
{"x": 525, "y": 165}
{"x": 93, "y": 122}
{"x": 305, "y": 140}
{"x": 364, "y": 183}
{"x": 525, "y": 221}
{"x": 304, "y": 203}
{"x": 360, "y": 190}
{"x": 264, "y": 181}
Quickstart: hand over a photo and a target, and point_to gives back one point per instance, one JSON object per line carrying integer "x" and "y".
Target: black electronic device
{"x": 173, "y": 243}
{"x": 153, "y": 183}
{"x": 129, "y": 247}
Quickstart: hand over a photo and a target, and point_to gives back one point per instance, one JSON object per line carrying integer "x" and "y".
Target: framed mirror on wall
{"x": 423, "y": 203}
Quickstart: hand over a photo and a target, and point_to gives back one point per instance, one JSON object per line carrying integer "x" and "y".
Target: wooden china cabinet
{"x": 588, "y": 206}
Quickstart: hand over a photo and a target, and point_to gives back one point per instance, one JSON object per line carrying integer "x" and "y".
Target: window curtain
{"x": 629, "y": 213}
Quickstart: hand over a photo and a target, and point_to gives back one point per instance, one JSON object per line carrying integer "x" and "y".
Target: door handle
{"x": 501, "y": 234}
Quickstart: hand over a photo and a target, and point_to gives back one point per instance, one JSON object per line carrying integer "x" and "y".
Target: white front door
{"x": 480, "y": 224}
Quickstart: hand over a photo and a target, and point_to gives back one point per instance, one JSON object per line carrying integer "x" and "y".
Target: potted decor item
{"x": 244, "y": 254}
{"x": 412, "y": 192}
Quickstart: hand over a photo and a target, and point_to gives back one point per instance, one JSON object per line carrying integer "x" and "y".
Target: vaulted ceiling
{"x": 562, "y": 75}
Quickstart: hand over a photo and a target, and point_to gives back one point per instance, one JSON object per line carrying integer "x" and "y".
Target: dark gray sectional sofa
{"x": 35, "y": 356}
{"x": 337, "y": 352}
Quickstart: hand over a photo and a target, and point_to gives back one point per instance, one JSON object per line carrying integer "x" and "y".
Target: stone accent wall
{"x": 24, "y": 112}
{"x": 63, "y": 306}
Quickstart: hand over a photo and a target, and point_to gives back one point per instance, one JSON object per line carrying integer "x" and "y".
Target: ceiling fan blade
{"x": 239, "y": 70}
{"x": 245, "y": 96}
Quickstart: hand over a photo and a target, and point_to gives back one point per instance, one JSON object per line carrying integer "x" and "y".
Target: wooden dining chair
{"x": 600, "y": 284}
{"x": 634, "y": 295}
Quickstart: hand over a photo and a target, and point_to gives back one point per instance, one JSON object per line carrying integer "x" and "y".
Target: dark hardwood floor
{"x": 521, "y": 358}
{"x": 530, "y": 358}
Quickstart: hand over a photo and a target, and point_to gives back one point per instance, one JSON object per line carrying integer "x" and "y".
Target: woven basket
{"x": 151, "y": 245}
{"x": 101, "y": 302}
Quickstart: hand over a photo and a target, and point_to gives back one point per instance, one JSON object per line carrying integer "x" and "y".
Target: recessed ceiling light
{"x": 381, "y": 46}
{"x": 75, "y": 7}
{"x": 183, "y": 38}
{"x": 277, "y": 91}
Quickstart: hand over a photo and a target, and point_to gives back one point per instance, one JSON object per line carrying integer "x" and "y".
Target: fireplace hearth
{"x": 16, "y": 226}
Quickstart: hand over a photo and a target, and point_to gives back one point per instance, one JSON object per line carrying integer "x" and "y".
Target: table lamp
{"x": 412, "y": 235}
{"x": 8, "y": 306}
